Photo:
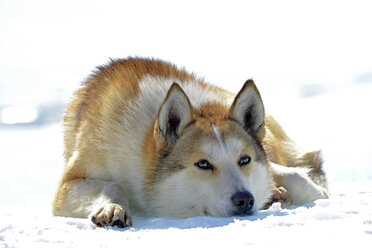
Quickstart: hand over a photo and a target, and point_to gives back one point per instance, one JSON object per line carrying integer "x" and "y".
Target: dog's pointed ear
{"x": 175, "y": 113}
{"x": 248, "y": 110}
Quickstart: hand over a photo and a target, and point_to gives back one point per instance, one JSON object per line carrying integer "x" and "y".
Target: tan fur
{"x": 104, "y": 108}
{"x": 212, "y": 113}
{"x": 107, "y": 89}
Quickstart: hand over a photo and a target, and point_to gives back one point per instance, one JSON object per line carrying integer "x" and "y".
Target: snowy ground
{"x": 312, "y": 63}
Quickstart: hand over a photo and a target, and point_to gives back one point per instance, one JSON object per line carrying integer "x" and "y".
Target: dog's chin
{"x": 254, "y": 211}
{"x": 230, "y": 213}
{"x": 250, "y": 213}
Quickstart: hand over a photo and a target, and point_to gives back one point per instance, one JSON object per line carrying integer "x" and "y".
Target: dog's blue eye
{"x": 204, "y": 165}
{"x": 244, "y": 160}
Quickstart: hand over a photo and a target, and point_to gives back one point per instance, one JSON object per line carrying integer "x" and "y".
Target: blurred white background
{"x": 290, "y": 48}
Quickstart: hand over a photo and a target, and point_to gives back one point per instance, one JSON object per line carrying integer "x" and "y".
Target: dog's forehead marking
{"x": 224, "y": 149}
{"x": 218, "y": 137}
{"x": 225, "y": 154}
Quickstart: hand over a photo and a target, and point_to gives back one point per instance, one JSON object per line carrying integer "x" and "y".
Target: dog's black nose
{"x": 243, "y": 203}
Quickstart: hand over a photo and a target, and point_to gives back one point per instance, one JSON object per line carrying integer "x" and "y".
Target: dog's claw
{"x": 118, "y": 223}
{"x": 279, "y": 195}
{"x": 112, "y": 215}
{"x": 284, "y": 197}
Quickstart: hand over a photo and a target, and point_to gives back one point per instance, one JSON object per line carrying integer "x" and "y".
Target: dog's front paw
{"x": 279, "y": 195}
{"x": 112, "y": 215}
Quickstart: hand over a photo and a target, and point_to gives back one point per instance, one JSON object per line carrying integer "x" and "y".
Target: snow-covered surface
{"x": 312, "y": 64}
{"x": 343, "y": 220}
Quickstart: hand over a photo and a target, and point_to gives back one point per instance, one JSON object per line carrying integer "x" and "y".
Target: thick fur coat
{"x": 142, "y": 134}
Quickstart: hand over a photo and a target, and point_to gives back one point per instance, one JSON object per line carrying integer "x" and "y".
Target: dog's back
{"x": 107, "y": 94}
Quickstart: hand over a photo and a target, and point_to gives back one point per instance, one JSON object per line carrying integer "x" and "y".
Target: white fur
{"x": 173, "y": 199}
{"x": 224, "y": 150}
{"x": 260, "y": 184}
{"x": 298, "y": 184}
{"x": 212, "y": 196}
{"x": 227, "y": 154}
{"x": 83, "y": 199}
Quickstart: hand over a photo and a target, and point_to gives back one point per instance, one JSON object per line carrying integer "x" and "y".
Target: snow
{"x": 345, "y": 219}
{"x": 314, "y": 74}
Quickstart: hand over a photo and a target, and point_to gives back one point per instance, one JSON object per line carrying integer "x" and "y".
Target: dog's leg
{"x": 297, "y": 184}
{"x": 103, "y": 202}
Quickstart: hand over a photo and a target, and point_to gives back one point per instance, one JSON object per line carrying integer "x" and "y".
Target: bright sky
{"x": 55, "y": 44}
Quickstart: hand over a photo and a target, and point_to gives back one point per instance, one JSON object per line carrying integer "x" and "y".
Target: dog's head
{"x": 210, "y": 160}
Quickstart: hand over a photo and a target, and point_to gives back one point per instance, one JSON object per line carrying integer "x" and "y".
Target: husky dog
{"x": 143, "y": 134}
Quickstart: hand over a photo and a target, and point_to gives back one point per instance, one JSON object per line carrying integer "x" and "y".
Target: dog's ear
{"x": 248, "y": 110}
{"x": 175, "y": 113}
